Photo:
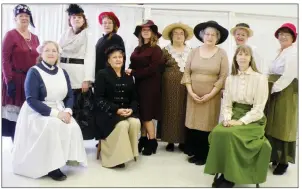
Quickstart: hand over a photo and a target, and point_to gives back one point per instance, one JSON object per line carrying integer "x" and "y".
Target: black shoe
{"x": 218, "y": 181}
{"x": 181, "y": 147}
{"x": 274, "y": 163}
{"x": 120, "y": 166}
{"x": 280, "y": 169}
{"x": 170, "y": 147}
{"x": 150, "y": 148}
{"x": 192, "y": 159}
{"x": 142, "y": 143}
{"x": 200, "y": 162}
{"x": 57, "y": 175}
{"x": 188, "y": 150}
{"x": 226, "y": 184}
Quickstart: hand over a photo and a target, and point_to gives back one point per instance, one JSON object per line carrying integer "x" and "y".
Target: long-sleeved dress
{"x": 147, "y": 64}
{"x": 18, "y": 55}
{"x": 282, "y": 106}
{"x": 43, "y": 142}
{"x": 241, "y": 153}
{"x": 174, "y": 95}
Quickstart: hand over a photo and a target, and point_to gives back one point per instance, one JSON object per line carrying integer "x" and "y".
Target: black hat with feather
{"x": 74, "y": 9}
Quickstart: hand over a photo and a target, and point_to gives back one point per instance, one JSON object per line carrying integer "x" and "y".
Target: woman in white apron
{"x": 47, "y": 137}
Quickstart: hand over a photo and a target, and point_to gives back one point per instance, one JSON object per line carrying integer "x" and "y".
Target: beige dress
{"x": 204, "y": 74}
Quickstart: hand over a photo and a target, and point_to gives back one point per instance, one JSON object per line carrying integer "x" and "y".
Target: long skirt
{"x": 282, "y": 121}
{"x": 44, "y": 143}
{"x": 241, "y": 153}
{"x": 121, "y": 145}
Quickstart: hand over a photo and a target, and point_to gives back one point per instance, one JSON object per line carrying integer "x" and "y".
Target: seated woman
{"x": 47, "y": 137}
{"x": 116, "y": 111}
{"x": 238, "y": 147}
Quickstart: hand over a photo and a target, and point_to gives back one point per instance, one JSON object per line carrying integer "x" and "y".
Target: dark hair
{"x": 287, "y": 30}
{"x": 153, "y": 40}
{"x": 85, "y": 25}
{"x": 171, "y": 34}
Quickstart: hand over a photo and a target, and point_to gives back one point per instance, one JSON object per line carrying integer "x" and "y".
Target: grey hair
{"x": 201, "y": 33}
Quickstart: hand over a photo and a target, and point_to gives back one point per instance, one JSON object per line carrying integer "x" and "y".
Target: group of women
{"x": 180, "y": 86}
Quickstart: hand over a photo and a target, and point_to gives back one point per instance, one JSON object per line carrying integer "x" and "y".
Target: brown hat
{"x": 147, "y": 23}
{"x": 168, "y": 29}
{"x": 242, "y": 26}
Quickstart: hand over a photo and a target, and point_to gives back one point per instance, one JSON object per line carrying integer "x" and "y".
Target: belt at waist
{"x": 19, "y": 71}
{"x": 72, "y": 60}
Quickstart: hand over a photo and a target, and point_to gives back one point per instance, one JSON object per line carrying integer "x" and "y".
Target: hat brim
{"x": 292, "y": 32}
{"x": 168, "y": 29}
{"x": 224, "y": 33}
{"x": 154, "y": 29}
{"x": 250, "y": 32}
{"x": 109, "y": 14}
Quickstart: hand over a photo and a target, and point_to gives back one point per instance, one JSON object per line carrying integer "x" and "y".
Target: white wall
{"x": 285, "y": 10}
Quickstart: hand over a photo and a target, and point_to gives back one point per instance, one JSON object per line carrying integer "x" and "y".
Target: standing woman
{"x": 204, "y": 77}
{"x": 173, "y": 93}
{"x": 146, "y": 65}
{"x": 78, "y": 54}
{"x": 110, "y": 24}
{"x": 241, "y": 33}
{"x": 18, "y": 55}
{"x": 282, "y": 112}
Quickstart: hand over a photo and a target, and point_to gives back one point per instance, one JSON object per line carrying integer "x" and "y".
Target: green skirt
{"x": 282, "y": 121}
{"x": 241, "y": 153}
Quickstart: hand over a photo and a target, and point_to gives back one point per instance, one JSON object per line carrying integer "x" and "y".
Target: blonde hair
{"x": 245, "y": 49}
{"x": 153, "y": 40}
{"x": 41, "y": 47}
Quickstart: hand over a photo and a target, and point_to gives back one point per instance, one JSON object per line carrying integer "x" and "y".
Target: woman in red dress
{"x": 18, "y": 55}
{"x": 146, "y": 65}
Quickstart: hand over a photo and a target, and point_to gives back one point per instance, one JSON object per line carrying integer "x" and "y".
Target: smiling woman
{"x": 18, "y": 55}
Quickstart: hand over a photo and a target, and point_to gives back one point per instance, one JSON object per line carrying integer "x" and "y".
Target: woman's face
{"x": 146, "y": 33}
{"x": 178, "y": 35}
{"x": 116, "y": 59}
{"x": 50, "y": 54}
{"x": 76, "y": 21}
{"x": 243, "y": 60}
{"x": 107, "y": 24}
{"x": 210, "y": 36}
{"x": 241, "y": 36}
{"x": 285, "y": 39}
{"x": 22, "y": 19}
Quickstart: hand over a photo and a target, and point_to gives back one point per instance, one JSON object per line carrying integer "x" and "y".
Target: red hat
{"x": 111, "y": 15}
{"x": 147, "y": 23}
{"x": 292, "y": 29}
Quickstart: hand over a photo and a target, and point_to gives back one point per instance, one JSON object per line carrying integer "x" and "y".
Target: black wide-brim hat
{"x": 224, "y": 33}
{"x": 147, "y": 23}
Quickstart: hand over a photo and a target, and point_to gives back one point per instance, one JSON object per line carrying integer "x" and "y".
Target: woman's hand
{"x": 195, "y": 97}
{"x": 65, "y": 117}
{"x": 206, "y": 98}
{"x": 128, "y": 71}
{"x": 232, "y": 123}
{"x": 127, "y": 112}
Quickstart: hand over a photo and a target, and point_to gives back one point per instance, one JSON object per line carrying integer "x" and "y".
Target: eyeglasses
{"x": 284, "y": 35}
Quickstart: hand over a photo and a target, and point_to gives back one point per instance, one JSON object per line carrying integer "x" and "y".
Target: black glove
{"x": 11, "y": 89}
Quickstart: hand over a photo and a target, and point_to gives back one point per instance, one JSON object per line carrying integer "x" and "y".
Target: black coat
{"x": 111, "y": 93}
{"x": 101, "y": 46}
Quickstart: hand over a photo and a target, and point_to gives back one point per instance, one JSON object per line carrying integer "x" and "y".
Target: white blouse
{"x": 286, "y": 65}
{"x": 247, "y": 87}
{"x": 80, "y": 46}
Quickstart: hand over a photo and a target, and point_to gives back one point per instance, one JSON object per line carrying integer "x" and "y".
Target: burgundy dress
{"x": 18, "y": 56}
{"x": 147, "y": 63}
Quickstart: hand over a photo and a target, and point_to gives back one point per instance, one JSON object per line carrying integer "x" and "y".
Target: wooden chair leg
{"x": 98, "y": 150}
{"x": 257, "y": 186}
